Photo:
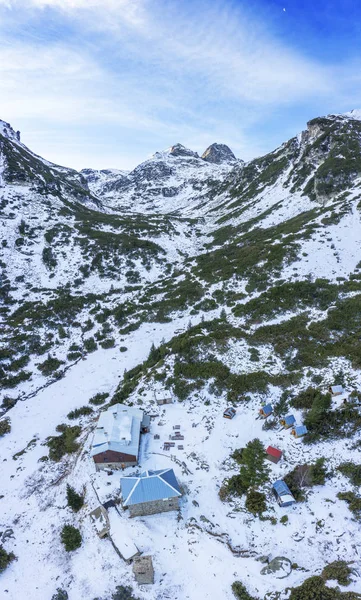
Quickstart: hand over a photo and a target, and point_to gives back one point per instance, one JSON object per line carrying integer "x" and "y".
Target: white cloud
{"x": 148, "y": 68}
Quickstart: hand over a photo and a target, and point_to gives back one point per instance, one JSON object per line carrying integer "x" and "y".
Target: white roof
{"x": 121, "y": 535}
{"x": 162, "y": 395}
{"x": 118, "y": 429}
{"x": 337, "y": 389}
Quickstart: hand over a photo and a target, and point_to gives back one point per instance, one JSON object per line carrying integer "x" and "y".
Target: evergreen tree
{"x": 75, "y": 501}
{"x": 5, "y": 558}
{"x": 71, "y": 538}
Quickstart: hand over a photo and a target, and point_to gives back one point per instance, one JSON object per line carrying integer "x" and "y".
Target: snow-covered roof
{"x": 163, "y": 395}
{"x": 118, "y": 429}
{"x": 336, "y": 389}
{"x": 282, "y": 489}
{"x": 149, "y": 486}
{"x": 301, "y": 430}
{"x": 289, "y": 420}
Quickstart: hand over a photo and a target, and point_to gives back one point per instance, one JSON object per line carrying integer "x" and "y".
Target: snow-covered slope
{"x": 226, "y": 282}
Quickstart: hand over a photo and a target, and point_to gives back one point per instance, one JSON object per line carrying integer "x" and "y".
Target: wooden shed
{"x": 265, "y": 411}
{"x": 229, "y": 413}
{"x": 336, "y": 390}
{"x": 282, "y": 493}
{"x": 288, "y": 421}
{"x": 299, "y": 431}
{"x": 273, "y": 454}
{"x": 163, "y": 397}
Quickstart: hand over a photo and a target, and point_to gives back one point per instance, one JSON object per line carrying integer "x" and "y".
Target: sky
{"x": 106, "y": 83}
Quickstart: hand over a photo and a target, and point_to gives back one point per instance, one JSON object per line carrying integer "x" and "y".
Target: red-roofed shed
{"x": 273, "y": 454}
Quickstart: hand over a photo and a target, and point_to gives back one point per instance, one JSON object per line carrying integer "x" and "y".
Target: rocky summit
{"x": 218, "y": 153}
{"x": 216, "y": 304}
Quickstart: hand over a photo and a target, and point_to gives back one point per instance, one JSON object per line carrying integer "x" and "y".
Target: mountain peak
{"x": 180, "y": 150}
{"x": 7, "y": 131}
{"x": 218, "y": 153}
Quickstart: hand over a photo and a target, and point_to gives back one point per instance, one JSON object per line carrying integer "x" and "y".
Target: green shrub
{"x": 350, "y": 470}
{"x": 253, "y": 472}
{"x": 50, "y": 365}
{"x": 80, "y": 412}
{"x": 240, "y": 591}
{"x": 5, "y": 558}
{"x": 60, "y": 595}
{"x": 71, "y": 538}
{"x": 49, "y": 259}
{"x": 123, "y": 349}
{"x": 338, "y": 570}
{"x": 314, "y": 588}
{"x": 99, "y": 398}
{"x": 75, "y": 500}
{"x": 64, "y": 443}
{"x": 108, "y": 343}
{"x": 256, "y": 502}
{"x": 5, "y": 426}
{"x": 123, "y": 593}
{"x": 353, "y": 501}
{"x": 90, "y": 345}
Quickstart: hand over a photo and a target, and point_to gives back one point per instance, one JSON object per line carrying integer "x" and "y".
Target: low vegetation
{"x": 64, "y": 443}
{"x": 71, "y": 538}
{"x": 75, "y": 500}
{"x": 5, "y": 558}
{"x": 5, "y": 426}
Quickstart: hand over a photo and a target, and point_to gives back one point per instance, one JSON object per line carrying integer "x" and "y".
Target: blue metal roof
{"x": 289, "y": 420}
{"x": 149, "y": 486}
{"x": 281, "y": 488}
{"x": 267, "y": 408}
{"x": 301, "y": 430}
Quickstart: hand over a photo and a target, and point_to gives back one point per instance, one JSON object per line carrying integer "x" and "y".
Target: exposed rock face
{"x": 280, "y": 567}
{"x": 218, "y": 153}
{"x": 179, "y": 150}
{"x": 7, "y": 131}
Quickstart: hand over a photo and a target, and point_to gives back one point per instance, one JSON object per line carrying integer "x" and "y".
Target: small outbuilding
{"x": 99, "y": 518}
{"x": 266, "y": 410}
{"x": 299, "y": 431}
{"x": 145, "y": 424}
{"x": 150, "y": 493}
{"x": 163, "y": 397}
{"x": 229, "y": 413}
{"x": 283, "y": 493}
{"x": 288, "y": 421}
{"x": 273, "y": 454}
{"x": 143, "y": 570}
{"x": 336, "y": 390}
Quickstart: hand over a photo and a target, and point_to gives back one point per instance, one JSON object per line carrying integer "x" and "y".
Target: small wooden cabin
{"x": 283, "y": 493}
{"x": 163, "y": 397}
{"x": 288, "y": 421}
{"x": 273, "y": 454}
{"x": 229, "y": 413}
{"x": 336, "y": 390}
{"x": 299, "y": 431}
{"x": 265, "y": 411}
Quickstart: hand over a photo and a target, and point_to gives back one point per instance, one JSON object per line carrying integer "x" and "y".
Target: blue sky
{"x": 106, "y": 83}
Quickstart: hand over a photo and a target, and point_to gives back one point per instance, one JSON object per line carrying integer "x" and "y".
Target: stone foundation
{"x": 152, "y": 508}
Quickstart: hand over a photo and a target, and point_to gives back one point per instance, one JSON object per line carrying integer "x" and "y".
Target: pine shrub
{"x": 71, "y": 538}
{"x": 5, "y": 558}
{"x": 75, "y": 500}
{"x": 5, "y": 426}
